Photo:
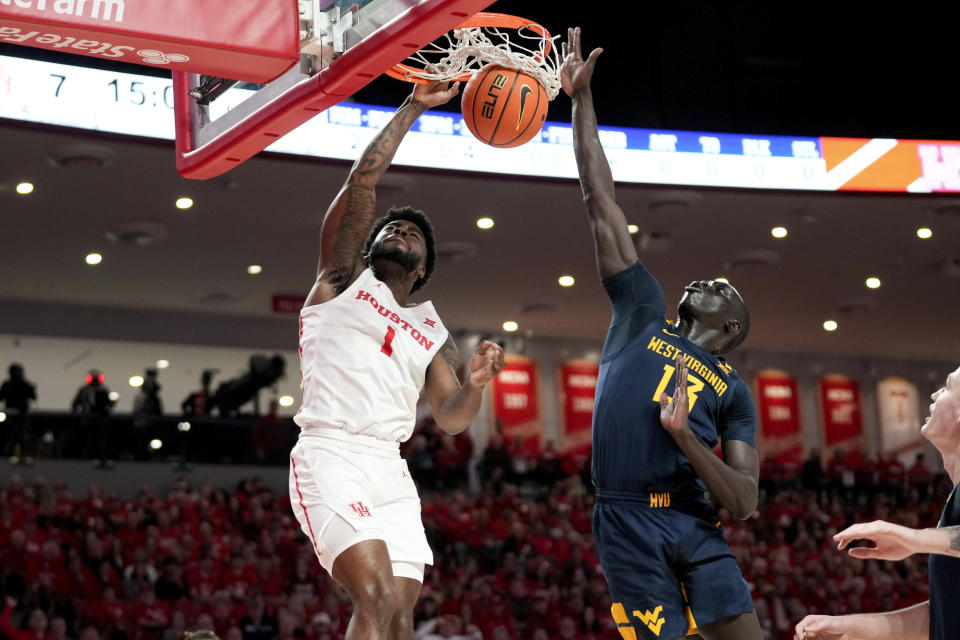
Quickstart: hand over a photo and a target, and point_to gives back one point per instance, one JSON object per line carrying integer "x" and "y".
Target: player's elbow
{"x": 362, "y": 179}
{"x": 743, "y": 513}
{"x": 450, "y": 425}
{"x": 747, "y": 504}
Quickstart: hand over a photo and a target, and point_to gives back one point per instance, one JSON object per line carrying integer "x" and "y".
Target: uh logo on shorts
{"x": 361, "y": 510}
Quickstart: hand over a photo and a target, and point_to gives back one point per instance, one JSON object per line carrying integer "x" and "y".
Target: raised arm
{"x": 615, "y": 249}
{"x": 351, "y": 215}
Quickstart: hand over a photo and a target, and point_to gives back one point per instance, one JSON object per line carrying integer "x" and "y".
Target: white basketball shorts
{"x": 343, "y": 493}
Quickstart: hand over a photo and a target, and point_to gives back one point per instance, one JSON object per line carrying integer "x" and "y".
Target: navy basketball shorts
{"x": 667, "y": 571}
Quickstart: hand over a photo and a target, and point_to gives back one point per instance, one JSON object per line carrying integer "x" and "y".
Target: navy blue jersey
{"x": 632, "y": 453}
{"x": 945, "y": 581}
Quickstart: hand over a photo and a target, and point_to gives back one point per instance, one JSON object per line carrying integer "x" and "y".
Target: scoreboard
{"x": 131, "y": 104}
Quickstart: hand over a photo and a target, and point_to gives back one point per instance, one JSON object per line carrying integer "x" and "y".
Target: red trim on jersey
{"x": 296, "y": 481}
{"x": 300, "y": 351}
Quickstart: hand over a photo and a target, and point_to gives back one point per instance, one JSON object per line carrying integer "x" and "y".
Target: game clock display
{"x": 138, "y": 105}
{"x": 87, "y": 98}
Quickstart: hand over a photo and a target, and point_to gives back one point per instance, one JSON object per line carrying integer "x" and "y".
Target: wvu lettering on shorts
{"x": 396, "y": 319}
{"x": 493, "y": 93}
{"x": 659, "y": 499}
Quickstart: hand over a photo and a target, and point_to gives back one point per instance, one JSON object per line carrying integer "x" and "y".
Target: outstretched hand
{"x": 821, "y": 628}
{"x": 486, "y": 363}
{"x": 575, "y": 72}
{"x": 891, "y": 541}
{"x": 434, "y": 94}
{"x": 674, "y": 413}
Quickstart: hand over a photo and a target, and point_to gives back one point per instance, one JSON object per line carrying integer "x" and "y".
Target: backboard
{"x": 344, "y": 45}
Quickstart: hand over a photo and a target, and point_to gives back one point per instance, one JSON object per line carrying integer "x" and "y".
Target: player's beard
{"x": 408, "y": 260}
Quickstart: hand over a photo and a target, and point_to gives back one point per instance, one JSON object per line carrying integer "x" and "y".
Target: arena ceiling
{"x": 706, "y": 68}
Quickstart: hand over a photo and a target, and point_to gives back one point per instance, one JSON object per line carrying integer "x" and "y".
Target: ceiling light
{"x": 254, "y": 269}
{"x": 510, "y": 325}
{"x": 24, "y": 188}
{"x": 830, "y": 325}
{"x": 183, "y": 426}
{"x": 94, "y": 258}
{"x": 924, "y": 233}
{"x": 566, "y": 281}
{"x": 163, "y": 364}
{"x": 721, "y": 279}
{"x": 184, "y": 203}
{"x": 3, "y": 416}
{"x": 136, "y": 381}
{"x": 873, "y": 282}
{"x": 485, "y": 223}
{"x": 779, "y": 232}
{"x": 114, "y": 396}
{"x": 285, "y": 401}
{"x": 632, "y": 228}
{"x": 156, "y": 443}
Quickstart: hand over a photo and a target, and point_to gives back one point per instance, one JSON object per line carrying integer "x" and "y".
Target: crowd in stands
{"x": 514, "y": 557}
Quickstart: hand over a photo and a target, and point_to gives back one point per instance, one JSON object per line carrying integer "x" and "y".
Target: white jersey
{"x": 363, "y": 362}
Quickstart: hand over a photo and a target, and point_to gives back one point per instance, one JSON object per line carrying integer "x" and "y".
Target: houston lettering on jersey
{"x": 671, "y": 352}
{"x": 396, "y": 319}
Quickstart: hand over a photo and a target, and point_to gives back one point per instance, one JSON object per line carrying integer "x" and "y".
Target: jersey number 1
{"x": 693, "y": 389}
{"x": 386, "y": 349}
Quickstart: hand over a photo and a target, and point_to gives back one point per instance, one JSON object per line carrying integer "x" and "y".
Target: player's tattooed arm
{"x": 351, "y": 215}
{"x": 455, "y": 406}
{"x": 614, "y": 246}
{"x": 889, "y": 541}
{"x": 944, "y": 540}
{"x": 450, "y": 354}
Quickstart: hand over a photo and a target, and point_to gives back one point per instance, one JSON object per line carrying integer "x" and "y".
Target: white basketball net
{"x": 473, "y": 48}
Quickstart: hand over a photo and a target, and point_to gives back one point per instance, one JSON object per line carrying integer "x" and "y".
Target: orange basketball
{"x": 504, "y": 107}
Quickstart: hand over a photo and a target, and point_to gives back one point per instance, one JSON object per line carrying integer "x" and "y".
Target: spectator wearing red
{"x": 36, "y": 623}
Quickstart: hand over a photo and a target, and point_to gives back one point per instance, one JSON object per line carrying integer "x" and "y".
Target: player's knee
{"x": 377, "y": 597}
{"x": 402, "y": 619}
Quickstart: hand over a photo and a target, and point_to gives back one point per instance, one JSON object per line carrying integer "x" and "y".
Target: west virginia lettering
{"x": 671, "y": 352}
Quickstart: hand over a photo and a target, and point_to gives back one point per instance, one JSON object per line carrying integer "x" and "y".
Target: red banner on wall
{"x": 291, "y": 304}
{"x": 515, "y": 403}
{"x": 247, "y": 40}
{"x": 578, "y": 388}
{"x": 779, "y": 416}
{"x": 841, "y": 413}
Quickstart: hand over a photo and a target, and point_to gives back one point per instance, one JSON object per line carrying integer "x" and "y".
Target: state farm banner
{"x": 578, "y": 388}
{"x": 247, "y": 40}
{"x": 515, "y": 403}
{"x": 898, "y": 404}
{"x": 778, "y": 412}
{"x": 840, "y": 409}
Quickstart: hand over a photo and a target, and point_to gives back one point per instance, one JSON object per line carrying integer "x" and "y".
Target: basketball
{"x": 504, "y": 107}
